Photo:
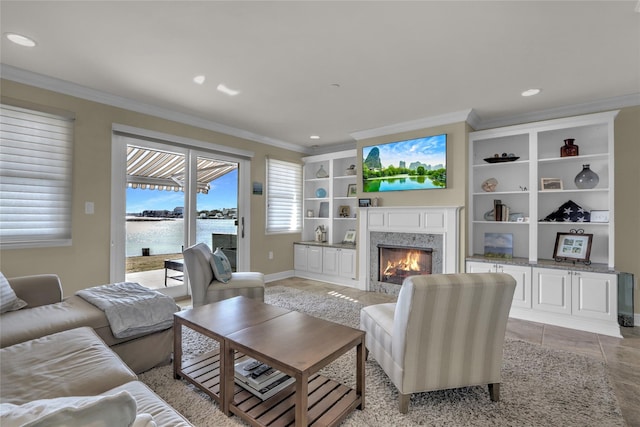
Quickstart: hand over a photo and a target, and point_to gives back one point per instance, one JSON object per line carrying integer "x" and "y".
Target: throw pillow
{"x": 8, "y": 299}
{"x": 221, "y": 266}
{"x": 77, "y": 411}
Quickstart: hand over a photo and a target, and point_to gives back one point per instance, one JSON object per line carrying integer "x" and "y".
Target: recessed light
{"x": 20, "y": 39}
{"x": 314, "y": 137}
{"x": 199, "y": 79}
{"x": 531, "y": 92}
{"x": 224, "y": 89}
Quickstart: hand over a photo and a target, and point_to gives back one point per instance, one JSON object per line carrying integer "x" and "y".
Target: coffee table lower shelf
{"x": 329, "y": 401}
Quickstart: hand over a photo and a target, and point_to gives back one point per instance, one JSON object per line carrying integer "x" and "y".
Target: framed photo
{"x": 364, "y": 203}
{"x": 599, "y": 216}
{"x": 573, "y": 247}
{"x": 350, "y": 237}
{"x": 344, "y": 211}
{"x": 551, "y": 183}
{"x": 352, "y": 190}
{"x": 498, "y": 245}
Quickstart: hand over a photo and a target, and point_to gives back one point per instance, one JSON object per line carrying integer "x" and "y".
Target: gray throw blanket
{"x": 131, "y": 308}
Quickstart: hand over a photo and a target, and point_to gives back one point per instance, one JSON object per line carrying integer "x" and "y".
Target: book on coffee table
{"x": 259, "y": 379}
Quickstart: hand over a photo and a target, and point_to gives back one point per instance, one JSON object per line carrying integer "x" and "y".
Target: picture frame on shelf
{"x": 350, "y": 237}
{"x": 364, "y": 203}
{"x": 352, "y": 190}
{"x": 344, "y": 211}
{"x": 324, "y": 210}
{"x": 498, "y": 245}
{"x": 599, "y": 216}
{"x": 573, "y": 246}
{"x": 550, "y": 184}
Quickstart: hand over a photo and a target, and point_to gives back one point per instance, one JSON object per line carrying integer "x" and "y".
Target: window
{"x": 35, "y": 178}
{"x": 284, "y": 197}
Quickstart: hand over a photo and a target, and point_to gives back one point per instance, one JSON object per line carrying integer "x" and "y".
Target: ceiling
{"x": 326, "y": 68}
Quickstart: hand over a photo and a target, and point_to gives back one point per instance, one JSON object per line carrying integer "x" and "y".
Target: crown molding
{"x": 67, "y": 88}
{"x": 427, "y": 122}
{"x": 469, "y": 116}
{"x": 607, "y": 104}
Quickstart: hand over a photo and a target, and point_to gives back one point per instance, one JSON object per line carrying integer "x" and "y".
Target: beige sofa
{"x": 72, "y": 378}
{"x": 47, "y": 312}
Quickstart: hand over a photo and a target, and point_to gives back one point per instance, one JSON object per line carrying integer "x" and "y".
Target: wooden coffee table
{"x": 295, "y": 343}
{"x": 215, "y": 321}
{"x": 298, "y": 345}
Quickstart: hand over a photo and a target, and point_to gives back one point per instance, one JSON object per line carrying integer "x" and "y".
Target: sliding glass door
{"x": 167, "y": 197}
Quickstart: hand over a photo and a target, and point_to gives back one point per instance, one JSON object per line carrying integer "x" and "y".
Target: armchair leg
{"x": 494, "y": 392}
{"x": 404, "y": 402}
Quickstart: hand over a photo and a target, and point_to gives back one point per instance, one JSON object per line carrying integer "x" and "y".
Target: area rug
{"x": 540, "y": 387}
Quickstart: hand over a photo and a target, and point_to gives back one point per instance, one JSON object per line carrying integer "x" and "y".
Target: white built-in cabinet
{"x": 519, "y": 184}
{"x": 522, "y": 274}
{"x": 307, "y": 258}
{"x": 578, "y": 293}
{"x": 325, "y": 262}
{"x": 560, "y": 293}
{"x": 331, "y": 191}
{"x": 339, "y": 262}
{"x": 331, "y": 261}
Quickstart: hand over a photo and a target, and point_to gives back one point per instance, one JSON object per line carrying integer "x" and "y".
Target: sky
{"x": 430, "y": 150}
{"x": 223, "y": 194}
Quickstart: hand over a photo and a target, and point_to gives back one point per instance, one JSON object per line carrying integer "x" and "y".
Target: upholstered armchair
{"x": 445, "y": 331}
{"x": 205, "y": 289}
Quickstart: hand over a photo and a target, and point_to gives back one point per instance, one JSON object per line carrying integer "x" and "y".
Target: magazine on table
{"x": 260, "y": 379}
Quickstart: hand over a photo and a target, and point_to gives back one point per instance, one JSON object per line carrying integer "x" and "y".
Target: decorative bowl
{"x": 321, "y": 193}
{"x": 501, "y": 159}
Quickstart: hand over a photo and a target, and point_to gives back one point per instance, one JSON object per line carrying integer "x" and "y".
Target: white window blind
{"x": 284, "y": 196}
{"x": 35, "y": 178}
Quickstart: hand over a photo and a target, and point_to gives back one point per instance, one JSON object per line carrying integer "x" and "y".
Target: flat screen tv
{"x": 412, "y": 164}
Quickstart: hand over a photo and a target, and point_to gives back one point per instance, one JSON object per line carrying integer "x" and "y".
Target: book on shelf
{"x": 260, "y": 379}
{"x": 500, "y": 211}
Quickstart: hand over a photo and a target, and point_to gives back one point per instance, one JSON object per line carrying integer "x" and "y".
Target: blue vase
{"x": 321, "y": 193}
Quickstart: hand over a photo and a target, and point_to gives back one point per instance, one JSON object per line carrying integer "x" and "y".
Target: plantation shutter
{"x": 35, "y": 178}
{"x": 284, "y": 196}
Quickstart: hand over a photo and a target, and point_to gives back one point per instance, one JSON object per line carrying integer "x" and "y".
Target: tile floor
{"x": 621, "y": 355}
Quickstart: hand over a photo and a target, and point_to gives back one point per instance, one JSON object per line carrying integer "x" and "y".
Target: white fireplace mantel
{"x": 442, "y": 220}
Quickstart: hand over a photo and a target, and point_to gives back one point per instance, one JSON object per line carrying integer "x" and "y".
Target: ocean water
{"x": 165, "y": 237}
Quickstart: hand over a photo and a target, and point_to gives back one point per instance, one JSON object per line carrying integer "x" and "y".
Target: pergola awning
{"x": 161, "y": 170}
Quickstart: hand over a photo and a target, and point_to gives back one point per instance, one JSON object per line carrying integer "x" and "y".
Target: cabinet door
{"x": 522, "y": 294}
{"x": 552, "y": 290}
{"x": 480, "y": 267}
{"x": 314, "y": 259}
{"x": 347, "y": 263}
{"x": 300, "y": 257}
{"x": 330, "y": 261}
{"x": 594, "y": 295}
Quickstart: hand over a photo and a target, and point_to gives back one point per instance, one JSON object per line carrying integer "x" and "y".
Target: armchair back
{"x": 448, "y": 329}
{"x": 197, "y": 260}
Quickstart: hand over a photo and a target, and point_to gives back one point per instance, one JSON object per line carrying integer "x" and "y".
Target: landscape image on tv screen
{"x": 413, "y": 164}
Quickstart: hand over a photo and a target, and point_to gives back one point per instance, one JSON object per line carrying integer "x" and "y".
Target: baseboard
{"x": 278, "y": 276}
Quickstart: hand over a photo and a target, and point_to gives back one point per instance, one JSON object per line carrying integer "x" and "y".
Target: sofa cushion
{"x": 221, "y": 266}
{"x": 70, "y": 363}
{"x": 72, "y": 312}
{"x": 150, "y": 403}
{"x": 8, "y": 299}
{"x": 117, "y": 409}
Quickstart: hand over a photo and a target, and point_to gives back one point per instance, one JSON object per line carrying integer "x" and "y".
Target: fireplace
{"x": 431, "y": 229}
{"x": 395, "y": 263}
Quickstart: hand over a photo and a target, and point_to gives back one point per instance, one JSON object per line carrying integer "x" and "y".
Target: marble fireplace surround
{"x": 430, "y": 227}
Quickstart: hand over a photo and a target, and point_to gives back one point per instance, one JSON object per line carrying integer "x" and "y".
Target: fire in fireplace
{"x": 398, "y": 262}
